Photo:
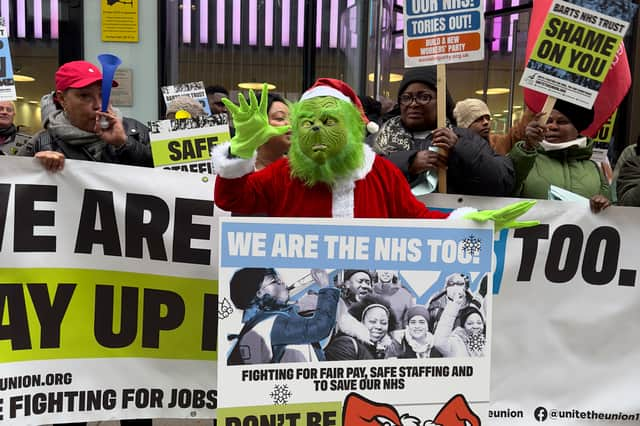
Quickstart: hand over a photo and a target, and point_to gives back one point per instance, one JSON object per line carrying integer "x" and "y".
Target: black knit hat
{"x": 245, "y": 283}
{"x": 581, "y": 118}
{"x": 428, "y": 76}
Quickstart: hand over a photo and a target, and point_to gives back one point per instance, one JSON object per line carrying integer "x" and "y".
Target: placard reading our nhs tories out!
{"x": 443, "y": 31}
{"x": 314, "y": 310}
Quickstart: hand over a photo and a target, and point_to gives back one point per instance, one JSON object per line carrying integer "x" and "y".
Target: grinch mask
{"x": 326, "y": 140}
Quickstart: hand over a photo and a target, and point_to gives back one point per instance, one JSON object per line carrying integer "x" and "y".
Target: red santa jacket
{"x": 376, "y": 190}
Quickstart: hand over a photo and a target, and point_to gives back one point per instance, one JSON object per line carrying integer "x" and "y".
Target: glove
{"x": 505, "y": 217}
{"x": 251, "y": 124}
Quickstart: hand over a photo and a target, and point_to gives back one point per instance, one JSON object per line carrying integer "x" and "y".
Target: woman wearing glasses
{"x": 418, "y": 148}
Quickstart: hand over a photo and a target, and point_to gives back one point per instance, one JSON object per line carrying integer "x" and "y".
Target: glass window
{"x": 33, "y": 40}
{"x": 228, "y": 42}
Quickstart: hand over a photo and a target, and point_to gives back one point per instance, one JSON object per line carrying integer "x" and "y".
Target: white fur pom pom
{"x": 461, "y": 212}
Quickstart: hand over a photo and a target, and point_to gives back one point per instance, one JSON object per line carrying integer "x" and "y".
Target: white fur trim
{"x": 460, "y": 212}
{"x": 324, "y": 91}
{"x": 372, "y": 127}
{"x": 230, "y": 168}
{"x": 342, "y": 191}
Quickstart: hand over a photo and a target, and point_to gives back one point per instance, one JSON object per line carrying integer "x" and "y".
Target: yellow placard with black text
{"x": 119, "y": 20}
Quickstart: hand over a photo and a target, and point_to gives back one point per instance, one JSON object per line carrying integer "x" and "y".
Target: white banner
{"x": 565, "y": 310}
{"x": 107, "y": 293}
{"x": 95, "y": 270}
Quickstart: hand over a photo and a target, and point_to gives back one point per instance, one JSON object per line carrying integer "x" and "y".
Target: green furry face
{"x": 326, "y": 140}
{"x": 321, "y": 131}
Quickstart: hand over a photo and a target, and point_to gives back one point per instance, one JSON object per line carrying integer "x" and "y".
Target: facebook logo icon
{"x": 540, "y": 414}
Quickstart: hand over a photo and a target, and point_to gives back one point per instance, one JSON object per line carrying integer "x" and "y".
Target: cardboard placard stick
{"x": 549, "y": 103}
{"x": 441, "y": 90}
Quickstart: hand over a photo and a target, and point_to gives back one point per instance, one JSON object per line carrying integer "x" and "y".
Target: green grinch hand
{"x": 506, "y": 216}
{"x": 251, "y": 123}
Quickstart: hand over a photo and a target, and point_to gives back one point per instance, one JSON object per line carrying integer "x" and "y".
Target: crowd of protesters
{"x": 526, "y": 162}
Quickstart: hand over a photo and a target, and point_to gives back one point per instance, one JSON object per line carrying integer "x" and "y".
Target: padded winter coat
{"x": 571, "y": 169}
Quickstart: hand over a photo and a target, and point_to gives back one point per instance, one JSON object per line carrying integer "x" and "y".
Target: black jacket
{"x": 136, "y": 151}
{"x": 473, "y": 167}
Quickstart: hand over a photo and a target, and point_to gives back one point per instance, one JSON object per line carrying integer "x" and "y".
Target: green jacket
{"x": 627, "y": 177}
{"x": 571, "y": 169}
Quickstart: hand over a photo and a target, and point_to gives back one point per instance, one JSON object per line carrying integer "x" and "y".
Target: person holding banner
{"x": 75, "y": 132}
{"x": 414, "y": 144}
{"x": 553, "y": 153}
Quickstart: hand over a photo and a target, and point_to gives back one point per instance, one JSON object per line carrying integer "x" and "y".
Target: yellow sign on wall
{"x": 119, "y": 20}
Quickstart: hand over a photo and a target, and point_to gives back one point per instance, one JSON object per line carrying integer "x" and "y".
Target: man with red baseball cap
{"x": 74, "y": 131}
{"x": 77, "y": 74}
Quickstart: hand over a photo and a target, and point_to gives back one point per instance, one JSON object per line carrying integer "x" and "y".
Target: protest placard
{"x": 186, "y": 144}
{"x": 7, "y": 85}
{"x": 605, "y": 133}
{"x": 576, "y": 47}
{"x": 119, "y": 20}
{"x": 194, "y": 89}
{"x": 306, "y": 317}
{"x": 443, "y": 31}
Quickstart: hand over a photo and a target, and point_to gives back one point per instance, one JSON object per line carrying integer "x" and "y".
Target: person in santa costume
{"x": 329, "y": 170}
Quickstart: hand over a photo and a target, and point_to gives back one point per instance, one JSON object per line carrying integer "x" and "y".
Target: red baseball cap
{"x": 77, "y": 74}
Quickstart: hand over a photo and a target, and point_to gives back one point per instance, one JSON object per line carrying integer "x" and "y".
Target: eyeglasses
{"x": 421, "y": 98}
{"x": 270, "y": 280}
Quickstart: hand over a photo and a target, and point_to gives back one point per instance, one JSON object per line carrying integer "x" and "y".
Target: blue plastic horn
{"x": 109, "y": 64}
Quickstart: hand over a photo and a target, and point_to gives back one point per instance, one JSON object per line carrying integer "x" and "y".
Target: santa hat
{"x": 340, "y": 90}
